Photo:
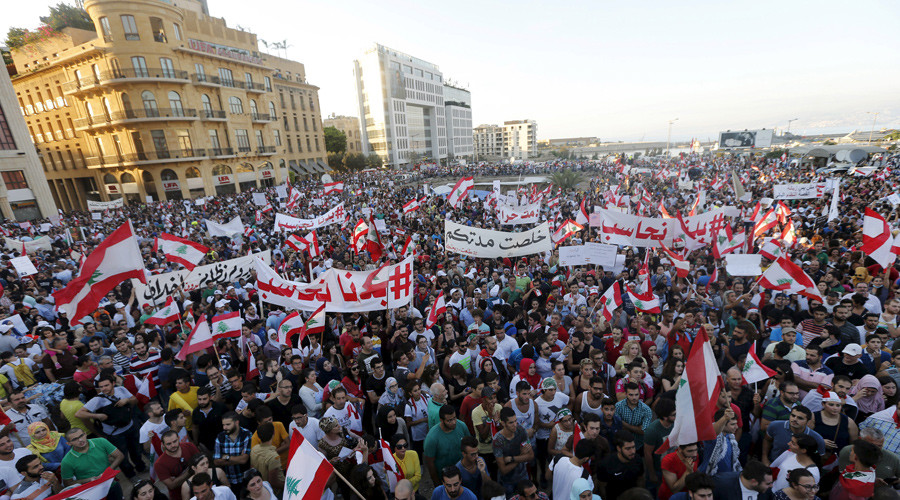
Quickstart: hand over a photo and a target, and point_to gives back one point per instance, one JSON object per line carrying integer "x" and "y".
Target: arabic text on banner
{"x": 525, "y": 214}
{"x": 103, "y": 205}
{"x": 597, "y": 254}
{"x": 163, "y": 285}
{"x": 798, "y": 191}
{"x": 488, "y": 244}
{"x": 617, "y": 228}
{"x": 341, "y": 291}
{"x": 289, "y": 224}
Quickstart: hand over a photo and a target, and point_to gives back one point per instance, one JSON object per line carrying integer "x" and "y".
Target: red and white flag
{"x": 785, "y": 276}
{"x": 662, "y": 210}
{"x": 179, "y": 250}
{"x": 312, "y": 244}
{"x": 695, "y": 401}
{"x": 877, "y": 239}
{"x": 96, "y": 489}
{"x": 726, "y": 242}
{"x": 307, "y": 472}
{"x": 460, "y": 191}
{"x": 782, "y": 212}
{"x": 858, "y": 484}
{"x": 392, "y": 470}
{"x": 568, "y": 228}
{"x": 408, "y": 246}
{"x": 199, "y": 339}
{"x": 373, "y": 242}
{"x": 646, "y": 302}
{"x": 252, "y": 370}
{"x": 316, "y": 322}
{"x": 143, "y": 388}
{"x": 411, "y": 206}
{"x": 682, "y": 266}
{"x": 296, "y": 243}
{"x": 334, "y": 187}
{"x": 293, "y": 197}
{"x": 116, "y": 259}
{"x": 291, "y": 325}
{"x": 753, "y": 369}
{"x": 788, "y": 235}
{"x": 359, "y": 233}
{"x": 766, "y": 223}
{"x": 582, "y": 216}
{"x": 553, "y": 202}
{"x": 227, "y": 325}
{"x": 611, "y": 300}
{"x": 166, "y": 315}
{"x": 438, "y": 308}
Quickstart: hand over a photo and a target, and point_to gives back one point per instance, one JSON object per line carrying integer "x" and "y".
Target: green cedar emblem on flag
{"x": 95, "y": 277}
{"x": 182, "y": 249}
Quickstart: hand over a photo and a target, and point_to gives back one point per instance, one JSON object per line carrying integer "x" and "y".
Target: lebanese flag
{"x": 611, "y": 300}
{"x": 166, "y": 315}
{"x": 373, "y": 243}
{"x": 312, "y": 244}
{"x": 179, "y": 250}
{"x": 199, "y": 339}
{"x": 782, "y": 212}
{"x": 877, "y": 239}
{"x": 695, "y": 401}
{"x": 763, "y": 225}
{"x": 252, "y": 370}
{"x": 460, "y": 191}
{"x": 97, "y": 489}
{"x": 227, "y": 325}
{"x": 554, "y": 202}
{"x": 408, "y": 246}
{"x": 297, "y": 243}
{"x": 728, "y": 242}
{"x": 682, "y": 266}
{"x": 293, "y": 197}
{"x": 392, "y": 470}
{"x": 411, "y": 206}
{"x": 770, "y": 249}
{"x": 662, "y": 210}
{"x": 143, "y": 389}
{"x": 438, "y": 308}
{"x": 582, "y": 216}
{"x": 115, "y": 260}
{"x": 753, "y": 369}
{"x": 568, "y": 228}
{"x": 860, "y": 484}
{"x": 307, "y": 472}
{"x": 334, "y": 187}
{"x": 785, "y": 276}
{"x": 712, "y": 278}
{"x": 360, "y": 230}
{"x": 267, "y": 208}
{"x": 291, "y": 325}
{"x": 315, "y": 324}
{"x": 788, "y": 235}
{"x": 645, "y": 302}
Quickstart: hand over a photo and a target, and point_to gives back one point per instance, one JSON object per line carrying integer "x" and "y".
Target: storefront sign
{"x": 225, "y": 51}
{"x": 171, "y": 186}
{"x": 222, "y": 180}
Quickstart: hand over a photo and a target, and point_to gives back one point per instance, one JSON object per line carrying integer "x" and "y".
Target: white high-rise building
{"x": 402, "y": 107}
{"x": 514, "y": 140}
{"x": 458, "y": 112}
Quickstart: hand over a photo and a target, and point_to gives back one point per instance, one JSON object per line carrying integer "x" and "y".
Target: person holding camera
{"x": 111, "y": 407}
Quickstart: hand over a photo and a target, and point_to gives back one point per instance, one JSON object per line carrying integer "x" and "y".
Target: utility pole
{"x": 873, "y": 125}
{"x": 789, "y": 124}
{"x": 669, "y": 136}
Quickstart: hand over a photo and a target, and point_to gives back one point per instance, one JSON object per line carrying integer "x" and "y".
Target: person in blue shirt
{"x": 722, "y": 453}
{"x": 452, "y": 488}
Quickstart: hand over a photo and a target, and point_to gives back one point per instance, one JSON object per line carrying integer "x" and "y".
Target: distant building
{"x": 24, "y": 193}
{"x": 349, "y": 125}
{"x": 458, "y": 113}
{"x": 516, "y": 139}
{"x": 572, "y": 142}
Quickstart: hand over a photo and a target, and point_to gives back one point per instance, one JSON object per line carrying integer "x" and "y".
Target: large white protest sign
{"x": 798, "y": 191}
{"x": 341, "y": 291}
{"x": 289, "y": 224}
{"x": 17, "y": 323}
{"x": 163, "y": 285}
{"x": 597, "y": 254}
{"x": 259, "y": 199}
{"x": 32, "y": 247}
{"x": 23, "y": 266}
{"x": 617, "y": 228}
{"x": 94, "y": 206}
{"x": 525, "y": 214}
{"x": 488, "y": 244}
{"x": 738, "y": 264}
{"x": 228, "y": 230}
{"x": 894, "y": 198}
{"x": 281, "y": 191}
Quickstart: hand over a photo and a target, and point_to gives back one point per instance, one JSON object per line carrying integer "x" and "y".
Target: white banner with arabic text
{"x": 798, "y": 191}
{"x": 488, "y": 244}
{"x": 96, "y": 206}
{"x": 289, "y": 224}
{"x": 617, "y": 228}
{"x": 525, "y": 214}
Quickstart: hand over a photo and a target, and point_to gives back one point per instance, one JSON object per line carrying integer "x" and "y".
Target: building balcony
{"x": 81, "y": 85}
{"x": 212, "y": 115}
{"x": 146, "y": 158}
{"x": 262, "y": 117}
{"x": 221, "y": 152}
{"x": 265, "y": 150}
{"x": 135, "y": 115}
{"x": 145, "y": 75}
{"x": 210, "y": 80}
{"x": 255, "y": 87}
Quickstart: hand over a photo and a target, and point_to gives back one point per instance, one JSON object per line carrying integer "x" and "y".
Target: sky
{"x": 609, "y": 69}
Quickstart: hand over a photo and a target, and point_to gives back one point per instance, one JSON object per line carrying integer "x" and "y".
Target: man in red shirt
{"x": 675, "y": 468}
{"x": 678, "y": 336}
{"x": 172, "y": 467}
{"x": 470, "y": 402}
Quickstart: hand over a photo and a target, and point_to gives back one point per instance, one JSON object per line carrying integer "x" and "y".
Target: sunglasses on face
{"x": 401, "y": 446}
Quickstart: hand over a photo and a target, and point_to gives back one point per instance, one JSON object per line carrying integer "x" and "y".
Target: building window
{"x": 317, "y": 144}
{"x": 243, "y": 140}
{"x": 130, "y": 27}
{"x": 200, "y": 71}
{"x": 308, "y": 145}
{"x": 140, "y": 66}
{"x": 105, "y": 31}
{"x": 175, "y": 103}
{"x": 268, "y": 82}
{"x": 254, "y": 112}
{"x": 277, "y": 135}
{"x": 226, "y": 77}
{"x": 184, "y": 140}
{"x": 312, "y": 106}
{"x": 290, "y": 148}
{"x": 286, "y": 128}
{"x": 207, "y": 105}
{"x": 237, "y": 106}
{"x": 168, "y": 69}
{"x": 272, "y": 113}
{"x": 305, "y": 125}
{"x": 159, "y": 143}
{"x": 6, "y": 138}
{"x": 177, "y": 30}
{"x": 299, "y": 146}
{"x": 149, "y": 103}
{"x": 249, "y": 79}
{"x": 214, "y": 139}
{"x": 259, "y": 139}
{"x": 15, "y": 179}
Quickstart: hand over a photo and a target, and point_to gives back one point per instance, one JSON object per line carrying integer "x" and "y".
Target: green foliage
{"x": 565, "y": 179}
{"x": 336, "y": 161}
{"x": 335, "y": 140}
{"x": 68, "y": 16}
{"x": 893, "y": 136}
{"x": 775, "y": 153}
{"x": 829, "y": 142}
{"x": 374, "y": 161}
{"x": 356, "y": 161}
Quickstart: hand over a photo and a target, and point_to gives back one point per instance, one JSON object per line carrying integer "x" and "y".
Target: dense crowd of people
{"x": 522, "y": 389}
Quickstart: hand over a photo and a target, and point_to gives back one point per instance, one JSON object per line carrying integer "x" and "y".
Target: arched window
{"x": 175, "y": 103}
{"x": 237, "y": 107}
{"x": 192, "y": 173}
{"x": 253, "y": 110}
{"x": 221, "y": 170}
{"x": 127, "y": 178}
{"x": 207, "y": 104}
{"x": 89, "y": 109}
{"x": 149, "y": 103}
{"x": 110, "y": 179}
{"x": 96, "y": 71}
{"x": 106, "y": 107}
{"x": 169, "y": 175}
{"x": 271, "y": 110}
{"x": 245, "y": 167}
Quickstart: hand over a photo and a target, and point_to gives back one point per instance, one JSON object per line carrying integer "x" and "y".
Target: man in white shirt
{"x": 154, "y": 426}
{"x": 202, "y": 487}
{"x": 306, "y": 425}
{"x": 344, "y": 412}
{"x": 567, "y": 470}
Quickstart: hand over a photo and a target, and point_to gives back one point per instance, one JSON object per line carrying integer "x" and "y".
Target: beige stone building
{"x": 164, "y": 102}
{"x": 349, "y": 125}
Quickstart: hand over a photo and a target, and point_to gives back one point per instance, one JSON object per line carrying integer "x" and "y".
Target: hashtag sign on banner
{"x": 401, "y": 280}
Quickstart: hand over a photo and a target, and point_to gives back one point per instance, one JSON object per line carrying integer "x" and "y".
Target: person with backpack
{"x": 111, "y": 408}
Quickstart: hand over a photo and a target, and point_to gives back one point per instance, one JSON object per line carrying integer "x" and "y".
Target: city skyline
{"x": 618, "y": 72}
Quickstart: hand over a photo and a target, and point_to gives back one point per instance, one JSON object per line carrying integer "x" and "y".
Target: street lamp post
{"x": 789, "y": 124}
{"x": 669, "y": 136}
{"x": 869, "y": 142}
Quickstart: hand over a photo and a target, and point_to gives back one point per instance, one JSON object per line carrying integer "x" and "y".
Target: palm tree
{"x": 565, "y": 179}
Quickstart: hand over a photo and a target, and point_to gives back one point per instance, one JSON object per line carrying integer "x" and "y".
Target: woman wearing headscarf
{"x": 583, "y": 490}
{"x": 388, "y": 424}
{"x": 527, "y": 372}
{"x": 868, "y": 395}
{"x": 326, "y": 371}
{"x": 49, "y": 446}
{"x": 392, "y": 396}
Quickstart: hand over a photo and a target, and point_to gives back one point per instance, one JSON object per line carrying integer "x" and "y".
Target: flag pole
{"x": 344, "y": 479}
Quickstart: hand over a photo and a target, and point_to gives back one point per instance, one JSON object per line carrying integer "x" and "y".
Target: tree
{"x": 775, "y": 153}
{"x": 68, "y": 16}
{"x": 335, "y": 140}
{"x": 336, "y": 161}
{"x": 356, "y": 161}
{"x": 829, "y": 142}
{"x": 374, "y": 161}
{"x": 565, "y": 179}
